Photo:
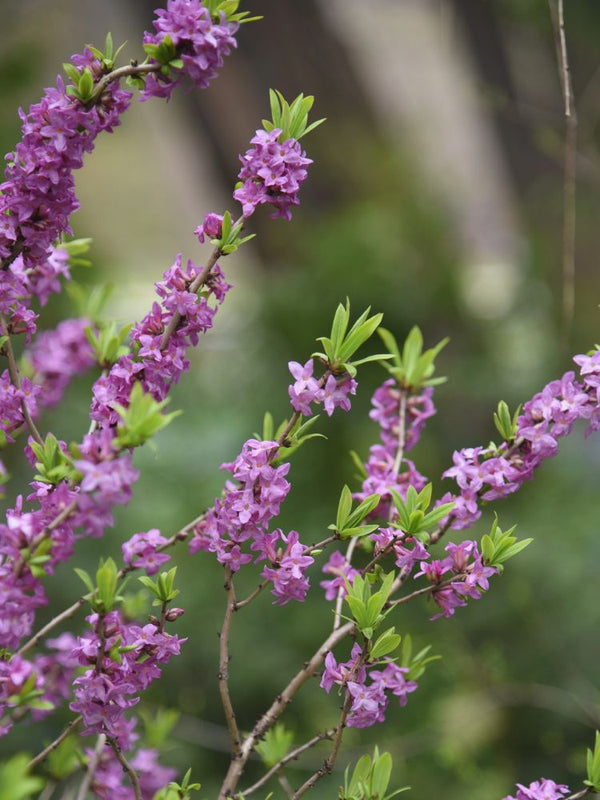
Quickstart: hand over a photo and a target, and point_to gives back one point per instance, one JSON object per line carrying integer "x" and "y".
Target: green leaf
{"x": 15, "y": 781}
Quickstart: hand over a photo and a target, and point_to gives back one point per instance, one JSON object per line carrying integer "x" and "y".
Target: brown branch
{"x": 59, "y": 739}
{"x": 291, "y": 756}
{"x": 127, "y": 767}
{"x": 327, "y": 765}
{"x": 224, "y": 657}
{"x": 570, "y": 169}
{"x": 268, "y": 719}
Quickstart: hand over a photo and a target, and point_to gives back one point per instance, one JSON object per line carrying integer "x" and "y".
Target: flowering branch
{"x": 224, "y": 657}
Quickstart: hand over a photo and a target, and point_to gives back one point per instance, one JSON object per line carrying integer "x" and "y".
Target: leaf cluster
{"x": 230, "y": 235}
{"x": 107, "y": 57}
{"x": 53, "y": 465}
{"x": 291, "y": 120}
{"x": 593, "y": 765}
{"x": 367, "y": 606}
{"x": 106, "y": 592}
{"x": 498, "y": 546}
{"x": 505, "y": 423}
{"x": 370, "y": 779}
{"x": 178, "y": 791}
{"x": 230, "y": 9}
{"x": 413, "y": 368}
{"x": 348, "y": 521}
{"x": 143, "y": 419}
{"x": 413, "y": 517}
{"x": 162, "y": 588}
{"x": 108, "y": 343}
{"x": 275, "y": 745}
{"x": 342, "y": 344}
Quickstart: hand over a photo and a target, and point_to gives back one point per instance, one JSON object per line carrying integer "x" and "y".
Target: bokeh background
{"x": 436, "y": 196}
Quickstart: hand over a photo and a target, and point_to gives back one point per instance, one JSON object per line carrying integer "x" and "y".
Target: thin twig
{"x": 127, "y": 767}
{"x": 224, "y": 657}
{"x": 570, "y": 169}
{"x": 291, "y": 756}
{"x": 91, "y": 768}
{"x": 327, "y": 765}
{"x": 268, "y": 719}
{"x": 47, "y": 750}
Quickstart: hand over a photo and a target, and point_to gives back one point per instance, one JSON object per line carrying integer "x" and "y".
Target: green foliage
{"x": 230, "y": 235}
{"x": 65, "y": 758}
{"x": 498, "y": 546}
{"x": 53, "y": 465}
{"x": 385, "y": 644}
{"x": 15, "y": 781}
{"x": 416, "y": 664}
{"x": 36, "y": 559}
{"x": 593, "y": 765}
{"x": 413, "y": 517}
{"x": 178, "y": 791}
{"x": 76, "y": 248}
{"x": 82, "y": 86}
{"x": 165, "y": 53}
{"x": 342, "y": 344}
{"x": 158, "y": 726}
{"x": 162, "y": 588}
{"x": 413, "y": 369}
{"x": 108, "y": 57}
{"x": 367, "y": 606}
{"x": 506, "y": 425}
{"x": 230, "y": 9}
{"x": 348, "y": 521}
{"x": 89, "y": 302}
{"x": 143, "y": 419}
{"x": 370, "y": 779}
{"x": 108, "y": 343}
{"x": 275, "y": 745}
{"x": 292, "y": 120}
{"x": 106, "y": 593}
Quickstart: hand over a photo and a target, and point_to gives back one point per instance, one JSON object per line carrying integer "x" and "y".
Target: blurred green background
{"x": 435, "y": 197}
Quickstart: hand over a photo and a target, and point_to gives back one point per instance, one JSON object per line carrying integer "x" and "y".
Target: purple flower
{"x": 200, "y": 43}
{"x": 544, "y": 789}
{"x": 272, "y": 172}
{"x": 212, "y": 227}
{"x": 141, "y": 551}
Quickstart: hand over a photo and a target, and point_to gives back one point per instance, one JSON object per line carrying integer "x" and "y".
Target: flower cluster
{"x": 272, "y": 172}
{"x": 491, "y": 473}
{"x": 37, "y": 196}
{"x": 369, "y": 700}
{"x": 543, "y": 789}
{"x": 383, "y": 472}
{"x": 199, "y": 42}
{"x": 469, "y": 576}
{"x": 333, "y": 392}
{"x": 243, "y": 514}
{"x": 141, "y": 551}
{"x": 122, "y": 660}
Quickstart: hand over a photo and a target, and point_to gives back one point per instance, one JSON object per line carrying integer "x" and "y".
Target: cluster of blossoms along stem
{"x": 306, "y": 390}
{"x": 272, "y": 172}
{"x": 469, "y": 576}
{"x": 484, "y": 474}
{"x": 383, "y": 471}
{"x": 122, "y": 659}
{"x": 200, "y": 42}
{"x": 369, "y": 700}
{"x": 544, "y": 789}
{"x": 243, "y": 512}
